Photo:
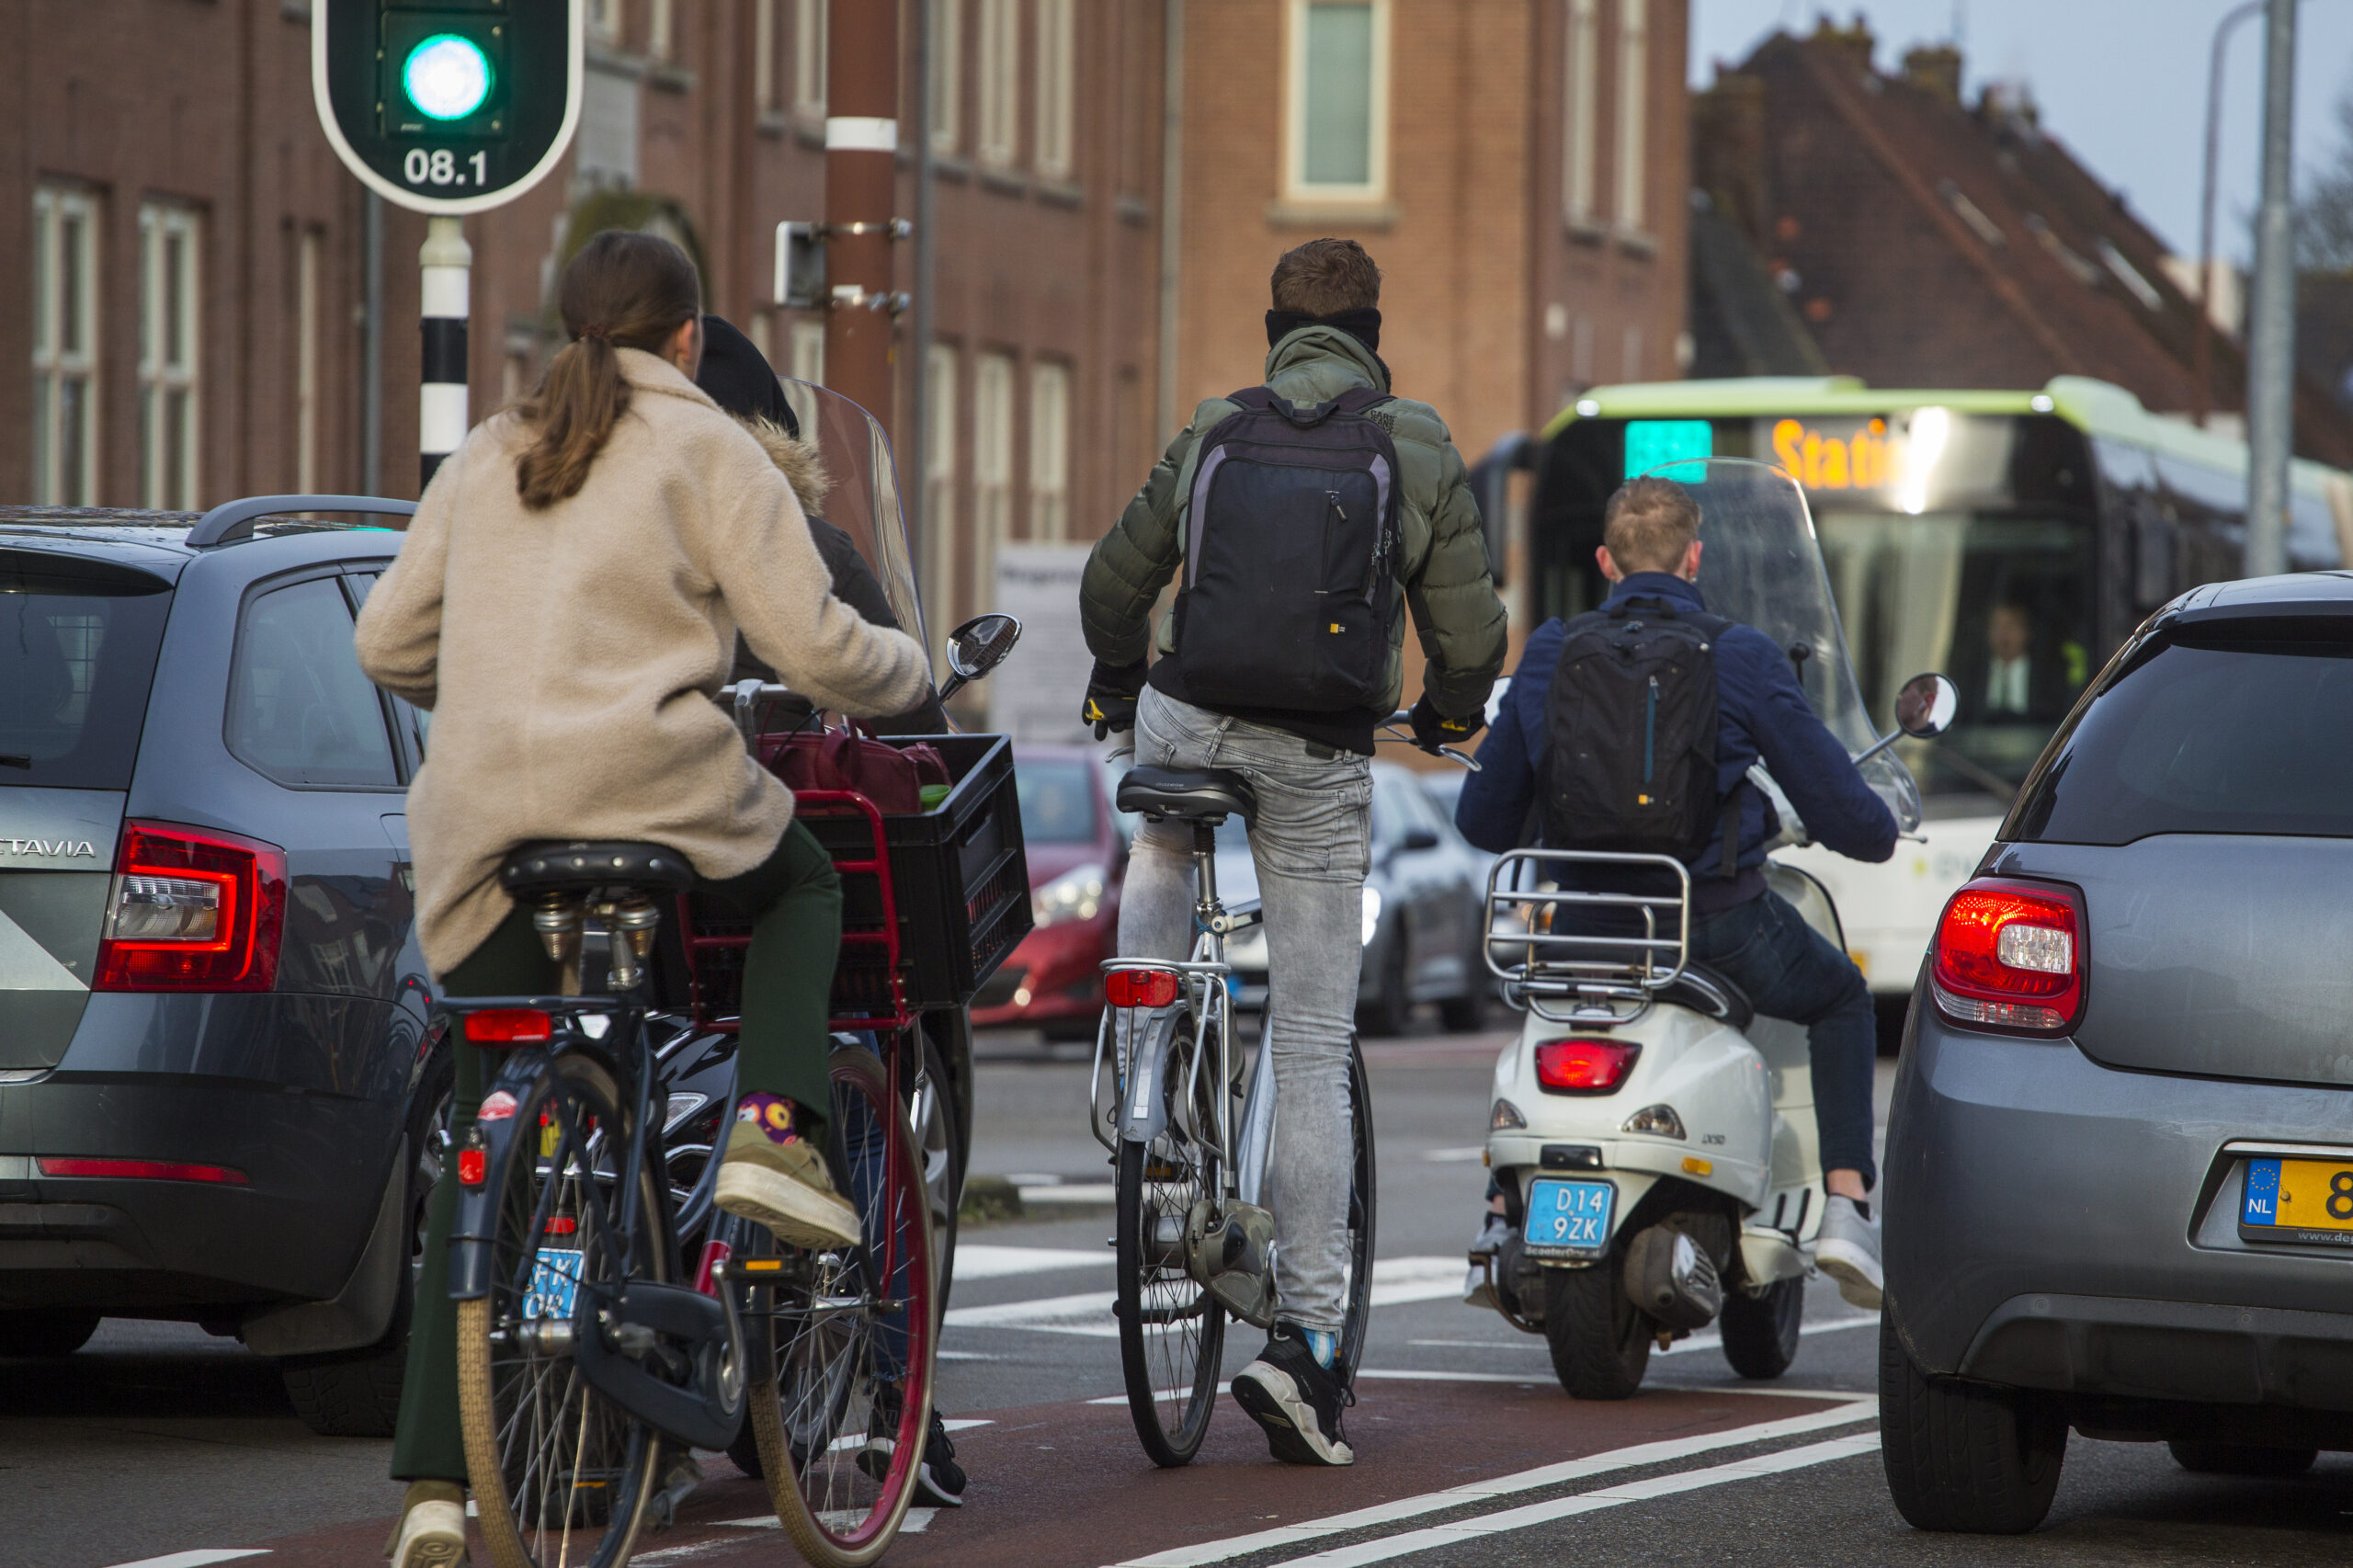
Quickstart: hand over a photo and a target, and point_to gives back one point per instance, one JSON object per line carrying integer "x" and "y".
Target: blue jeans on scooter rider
{"x": 1739, "y": 929}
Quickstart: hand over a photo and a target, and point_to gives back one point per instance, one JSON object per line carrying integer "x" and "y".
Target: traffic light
{"x": 448, "y": 106}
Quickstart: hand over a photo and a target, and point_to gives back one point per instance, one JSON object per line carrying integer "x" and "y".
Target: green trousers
{"x": 794, "y": 899}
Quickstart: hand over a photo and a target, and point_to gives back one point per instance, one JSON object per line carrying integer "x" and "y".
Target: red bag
{"x": 892, "y": 777}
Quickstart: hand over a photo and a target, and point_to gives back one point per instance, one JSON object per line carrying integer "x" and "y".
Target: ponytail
{"x": 623, "y": 290}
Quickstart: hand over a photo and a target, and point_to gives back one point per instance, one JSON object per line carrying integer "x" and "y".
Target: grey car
{"x": 219, "y": 1091}
{"x": 2120, "y": 1174}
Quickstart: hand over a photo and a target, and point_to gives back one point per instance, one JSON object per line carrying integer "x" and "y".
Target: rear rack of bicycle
{"x": 1606, "y": 951}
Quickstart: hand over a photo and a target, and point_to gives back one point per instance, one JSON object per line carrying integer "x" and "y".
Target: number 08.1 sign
{"x": 448, "y": 106}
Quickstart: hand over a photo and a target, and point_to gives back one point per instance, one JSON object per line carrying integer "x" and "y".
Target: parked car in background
{"x": 1053, "y": 982}
{"x": 1423, "y": 898}
{"x": 220, "y": 1098}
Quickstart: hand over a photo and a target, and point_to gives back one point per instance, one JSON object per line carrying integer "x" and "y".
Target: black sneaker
{"x": 1296, "y": 1399}
{"x": 939, "y": 1480}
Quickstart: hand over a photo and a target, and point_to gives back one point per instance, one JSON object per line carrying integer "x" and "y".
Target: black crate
{"x": 958, "y": 870}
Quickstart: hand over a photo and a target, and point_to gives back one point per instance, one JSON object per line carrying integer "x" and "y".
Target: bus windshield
{"x": 2001, "y": 602}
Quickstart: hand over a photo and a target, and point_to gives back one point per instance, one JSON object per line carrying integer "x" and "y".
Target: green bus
{"x": 2011, "y": 539}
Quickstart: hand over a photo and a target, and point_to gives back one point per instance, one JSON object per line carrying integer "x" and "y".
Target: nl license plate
{"x": 2298, "y": 1201}
{"x": 1569, "y": 1214}
{"x": 555, "y": 1282}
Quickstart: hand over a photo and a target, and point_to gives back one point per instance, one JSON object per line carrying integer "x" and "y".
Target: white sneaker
{"x": 432, "y": 1535}
{"x": 1846, "y": 1249}
{"x": 1476, "y": 1289}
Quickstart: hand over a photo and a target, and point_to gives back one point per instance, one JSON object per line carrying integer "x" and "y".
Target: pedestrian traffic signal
{"x": 448, "y": 106}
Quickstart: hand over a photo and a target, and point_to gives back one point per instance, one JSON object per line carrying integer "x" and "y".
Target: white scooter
{"x": 1654, "y": 1138}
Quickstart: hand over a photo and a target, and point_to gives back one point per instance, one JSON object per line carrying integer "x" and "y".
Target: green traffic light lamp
{"x": 447, "y": 77}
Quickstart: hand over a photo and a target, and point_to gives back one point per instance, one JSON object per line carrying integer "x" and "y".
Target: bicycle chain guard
{"x": 1232, "y": 1256}
{"x": 624, "y": 1339}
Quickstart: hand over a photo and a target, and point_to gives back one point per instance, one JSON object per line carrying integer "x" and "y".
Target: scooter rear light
{"x": 510, "y": 1026}
{"x": 1139, "y": 987}
{"x": 1584, "y": 1066}
{"x": 2009, "y": 957}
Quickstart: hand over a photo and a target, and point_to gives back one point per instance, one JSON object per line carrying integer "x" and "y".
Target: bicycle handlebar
{"x": 1405, "y": 716}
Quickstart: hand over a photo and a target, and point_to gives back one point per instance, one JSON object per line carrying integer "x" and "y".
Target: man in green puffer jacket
{"x": 1310, "y": 770}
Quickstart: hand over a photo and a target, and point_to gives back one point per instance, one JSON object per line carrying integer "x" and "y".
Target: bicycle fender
{"x": 474, "y": 1227}
{"x": 1144, "y": 1107}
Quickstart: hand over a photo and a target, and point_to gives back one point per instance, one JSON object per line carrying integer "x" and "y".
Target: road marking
{"x": 1852, "y": 1409}
{"x": 917, "y": 1522}
{"x": 1709, "y": 1341}
{"x": 976, "y": 1260}
{"x": 199, "y": 1559}
{"x": 1463, "y": 1156}
{"x": 1395, "y": 1280}
{"x": 1071, "y": 1192}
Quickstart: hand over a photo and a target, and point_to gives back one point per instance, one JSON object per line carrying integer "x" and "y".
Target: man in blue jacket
{"x": 1739, "y": 929}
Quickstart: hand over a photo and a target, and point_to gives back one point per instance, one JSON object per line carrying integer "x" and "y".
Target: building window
{"x": 1580, "y": 87}
{"x": 947, "y": 73}
{"x": 65, "y": 348}
{"x": 992, "y": 466}
{"x": 1057, "y": 58}
{"x": 807, "y": 361}
{"x": 168, "y": 332}
{"x": 1338, "y": 122}
{"x": 939, "y": 481}
{"x": 1000, "y": 81}
{"x": 809, "y": 57}
{"x": 658, "y": 28}
{"x": 605, "y": 20}
{"x": 764, "y": 55}
{"x": 306, "y": 362}
{"x": 1048, "y": 451}
{"x": 1630, "y": 361}
{"x": 1633, "y": 51}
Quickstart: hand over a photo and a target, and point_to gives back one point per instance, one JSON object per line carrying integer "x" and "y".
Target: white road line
{"x": 198, "y": 1558}
{"x": 1712, "y": 1341}
{"x": 1454, "y": 1156}
{"x": 917, "y": 1521}
{"x": 1533, "y": 1514}
{"x": 1395, "y": 1280}
{"x": 1854, "y": 1408}
{"x": 1071, "y": 1192}
{"x": 976, "y": 1260}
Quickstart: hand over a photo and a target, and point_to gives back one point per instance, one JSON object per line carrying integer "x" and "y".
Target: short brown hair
{"x": 1649, "y": 525}
{"x": 1323, "y": 278}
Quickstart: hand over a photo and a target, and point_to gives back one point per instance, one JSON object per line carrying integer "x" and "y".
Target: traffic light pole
{"x": 448, "y": 262}
{"x": 861, "y": 187}
{"x": 2271, "y": 310}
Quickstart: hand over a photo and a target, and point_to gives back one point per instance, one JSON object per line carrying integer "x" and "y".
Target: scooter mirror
{"x": 1926, "y": 706}
{"x": 981, "y": 644}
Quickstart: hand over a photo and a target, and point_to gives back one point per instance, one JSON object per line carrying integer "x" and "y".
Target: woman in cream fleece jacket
{"x": 566, "y": 604}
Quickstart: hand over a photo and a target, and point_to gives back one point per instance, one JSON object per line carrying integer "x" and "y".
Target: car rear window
{"x": 2212, "y": 733}
{"x": 77, "y": 653}
{"x": 1057, "y": 800}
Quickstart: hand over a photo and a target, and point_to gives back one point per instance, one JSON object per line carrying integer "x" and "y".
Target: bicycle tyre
{"x": 1181, "y": 1380}
{"x": 1363, "y": 1206}
{"x": 577, "y": 1098}
{"x": 839, "y": 1512}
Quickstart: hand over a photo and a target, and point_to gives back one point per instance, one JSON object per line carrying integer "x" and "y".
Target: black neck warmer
{"x": 1364, "y": 324}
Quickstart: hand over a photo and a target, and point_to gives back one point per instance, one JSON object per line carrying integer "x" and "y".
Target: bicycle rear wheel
{"x": 842, "y": 1398}
{"x": 1172, "y": 1332}
{"x": 559, "y": 1474}
{"x": 1362, "y": 1204}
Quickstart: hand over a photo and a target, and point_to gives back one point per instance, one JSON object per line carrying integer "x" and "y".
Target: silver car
{"x": 2119, "y": 1166}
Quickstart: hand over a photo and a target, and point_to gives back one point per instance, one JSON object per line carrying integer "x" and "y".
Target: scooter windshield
{"x": 862, "y": 499}
{"x": 1760, "y": 566}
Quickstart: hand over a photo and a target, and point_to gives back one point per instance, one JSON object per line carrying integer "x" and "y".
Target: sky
{"x": 2121, "y": 83}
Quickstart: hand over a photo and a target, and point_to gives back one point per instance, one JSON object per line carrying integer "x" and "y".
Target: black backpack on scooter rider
{"x": 1630, "y": 760}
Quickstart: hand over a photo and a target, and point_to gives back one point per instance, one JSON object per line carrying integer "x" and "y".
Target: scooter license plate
{"x": 1569, "y": 1214}
{"x": 2298, "y": 1201}
{"x": 555, "y": 1282}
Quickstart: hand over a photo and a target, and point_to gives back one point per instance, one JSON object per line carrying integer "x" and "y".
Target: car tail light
{"x": 510, "y": 1026}
{"x": 1139, "y": 987}
{"x": 1584, "y": 1066}
{"x": 2009, "y": 956}
{"x": 142, "y": 1170}
{"x": 192, "y": 910}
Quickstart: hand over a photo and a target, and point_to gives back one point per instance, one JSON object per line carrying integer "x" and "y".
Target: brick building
{"x": 197, "y": 266}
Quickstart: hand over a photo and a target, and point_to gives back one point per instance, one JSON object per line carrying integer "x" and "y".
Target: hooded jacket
{"x": 1442, "y": 575}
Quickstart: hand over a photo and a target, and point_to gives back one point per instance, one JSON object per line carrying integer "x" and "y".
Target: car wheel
{"x": 1467, "y": 1014}
{"x": 357, "y": 1393}
{"x": 2237, "y": 1458}
{"x": 1962, "y": 1455}
{"x": 44, "y": 1334}
{"x": 1601, "y": 1341}
{"x": 1384, "y": 1013}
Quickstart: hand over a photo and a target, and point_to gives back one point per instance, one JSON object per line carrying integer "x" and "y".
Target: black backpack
{"x": 1290, "y": 555}
{"x": 1630, "y": 759}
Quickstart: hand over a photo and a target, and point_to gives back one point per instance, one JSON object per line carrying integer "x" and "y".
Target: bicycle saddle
{"x": 1194, "y": 794}
{"x": 581, "y": 866}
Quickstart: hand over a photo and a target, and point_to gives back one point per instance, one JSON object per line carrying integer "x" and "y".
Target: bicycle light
{"x": 510, "y": 1026}
{"x": 473, "y": 1159}
{"x": 1139, "y": 987}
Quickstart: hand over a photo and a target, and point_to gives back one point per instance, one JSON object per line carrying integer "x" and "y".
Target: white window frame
{"x": 1048, "y": 450}
{"x": 55, "y": 367}
{"x": 947, "y": 85}
{"x": 1580, "y": 103}
{"x": 605, "y": 20}
{"x": 1056, "y": 88}
{"x": 939, "y": 481}
{"x": 997, "y": 141}
{"x": 1633, "y": 111}
{"x": 167, "y": 371}
{"x": 805, "y": 360}
{"x": 764, "y": 56}
{"x": 993, "y": 419}
{"x": 659, "y": 30}
{"x": 1296, "y": 186}
{"x": 307, "y": 249}
{"x": 809, "y": 57}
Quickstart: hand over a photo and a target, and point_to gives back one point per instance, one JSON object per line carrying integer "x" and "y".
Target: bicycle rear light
{"x": 1584, "y": 1066}
{"x": 142, "y": 1170}
{"x": 192, "y": 910}
{"x": 2009, "y": 956}
{"x": 473, "y": 1158}
{"x": 510, "y": 1026}
{"x": 1139, "y": 987}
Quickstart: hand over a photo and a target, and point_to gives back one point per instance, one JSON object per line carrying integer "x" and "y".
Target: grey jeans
{"x": 1311, "y": 844}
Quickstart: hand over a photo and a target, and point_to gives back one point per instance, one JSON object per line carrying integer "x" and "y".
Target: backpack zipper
{"x": 1650, "y": 729}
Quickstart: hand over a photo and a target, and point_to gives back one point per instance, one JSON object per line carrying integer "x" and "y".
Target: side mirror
{"x": 977, "y": 647}
{"x": 1927, "y": 707}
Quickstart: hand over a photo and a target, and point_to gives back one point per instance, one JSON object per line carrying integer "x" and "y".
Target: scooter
{"x": 1654, "y": 1138}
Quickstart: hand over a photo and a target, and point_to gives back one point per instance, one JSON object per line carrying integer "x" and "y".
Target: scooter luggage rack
{"x": 1616, "y": 984}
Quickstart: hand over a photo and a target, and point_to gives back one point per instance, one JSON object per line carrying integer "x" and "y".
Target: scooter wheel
{"x": 1760, "y": 1333}
{"x": 1600, "y": 1340}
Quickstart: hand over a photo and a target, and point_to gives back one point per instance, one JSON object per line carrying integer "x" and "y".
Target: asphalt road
{"x": 159, "y": 1443}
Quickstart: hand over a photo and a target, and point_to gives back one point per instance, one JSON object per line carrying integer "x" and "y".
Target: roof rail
{"x": 215, "y": 527}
